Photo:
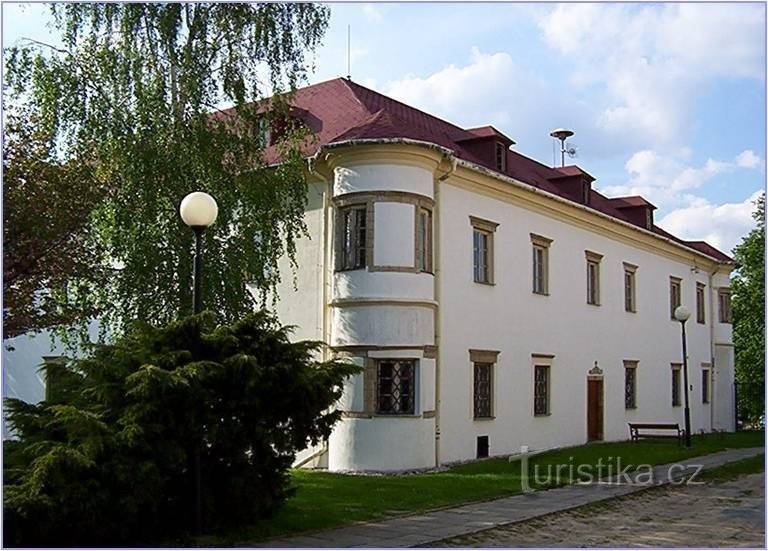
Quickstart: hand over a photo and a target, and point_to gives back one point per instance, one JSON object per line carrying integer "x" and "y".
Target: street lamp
{"x": 198, "y": 211}
{"x": 682, "y": 314}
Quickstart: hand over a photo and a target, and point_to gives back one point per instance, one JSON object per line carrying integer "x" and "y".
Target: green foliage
{"x": 50, "y": 254}
{"x": 141, "y": 88}
{"x": 748, "y": 288}
{"x": 111, "y": 461}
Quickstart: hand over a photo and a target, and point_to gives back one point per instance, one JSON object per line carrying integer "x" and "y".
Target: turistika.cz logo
{"x": 608, "y": 471}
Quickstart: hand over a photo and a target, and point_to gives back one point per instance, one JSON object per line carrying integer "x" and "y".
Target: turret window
{"x": 395, "y": 387}
{"x": 353, "y": 233}
{"x": 424, "y": 240}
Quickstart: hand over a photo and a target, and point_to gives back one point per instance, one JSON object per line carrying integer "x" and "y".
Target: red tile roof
{"x": 340, "y": 110}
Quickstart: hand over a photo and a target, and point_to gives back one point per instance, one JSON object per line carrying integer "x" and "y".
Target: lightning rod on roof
{"x": 349, "y": 52}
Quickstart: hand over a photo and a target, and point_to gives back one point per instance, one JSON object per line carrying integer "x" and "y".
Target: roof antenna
{"x": 563, "y": 134}
{"x": 349, "y": 54}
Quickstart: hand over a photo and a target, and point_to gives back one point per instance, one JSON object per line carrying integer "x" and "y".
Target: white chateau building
{"x": 492, "y": 301}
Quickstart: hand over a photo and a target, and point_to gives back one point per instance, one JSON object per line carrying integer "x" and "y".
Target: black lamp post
{"x": 682, "y": 314}
{"x": 198, "y": 211}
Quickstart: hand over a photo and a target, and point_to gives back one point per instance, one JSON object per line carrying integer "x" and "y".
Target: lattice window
{"x": 539, "y": 270}
{"x": 396, "y": 387}
{"x": 675, "y": 385}
{"x": 541, "y": 390}
{"x": 483, "y": 390}
{"x": 630, "y": 387}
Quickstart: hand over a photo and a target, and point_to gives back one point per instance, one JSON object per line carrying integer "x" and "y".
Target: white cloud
{"x": 748, "y": 159}
{"x": 669, "y": 181}
{"x": 722, "y": 226}
{"x": 490, "y": 89}
{"x": 372, "y": 12}
{"x": 652, "y": 60}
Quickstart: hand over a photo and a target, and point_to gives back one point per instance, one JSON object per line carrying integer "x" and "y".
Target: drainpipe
{"x": 714, "y": 367}
{"x": 437, "y": 293}
{"x": 312, "y": 165}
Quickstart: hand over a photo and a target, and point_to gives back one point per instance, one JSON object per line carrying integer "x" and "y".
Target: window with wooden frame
{"x": 630, "y": 292}
{"x": 701, "y": 312}
{"x": 540, "y": 250}
{"x": 482, "y": 249}
{"x": 705, "y": 374}
{"x": 541, "y": 390}
{"x": 675, "y": 295}
{"x": 676, "y": 371}
{"x": 593, "y": 277}
{"x": 352, "y": 237}
{"x": 724, "y": 305}
{"x": 424, "y": 240}
{"x": 501, "y": 157}
{"x": 395, "y": 387}
{"x": 630, "y": 384}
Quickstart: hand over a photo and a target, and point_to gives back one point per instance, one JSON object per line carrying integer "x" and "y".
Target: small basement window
{"x": 482, "y": 447}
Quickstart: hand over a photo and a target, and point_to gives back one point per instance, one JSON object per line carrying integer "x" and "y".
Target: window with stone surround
{"x": 630, "y": 384}
{"x": 593, "y": 277}
{"x": 352, "y": 237}
{"x": 701, "y": 311}
{"x": 675, "y": 295}
{"x": 724, "y": 305}
{"x": 630, "y": 291}
{"x": 676, "y": 373}
{"x": 424, "y": 240}
{"x": 541, "y": 390}
{"x": 540, "y": 261}
{"x": 482, "y": 249}
{"x": 395, "y": 387}
{"x": 483, "y": 364}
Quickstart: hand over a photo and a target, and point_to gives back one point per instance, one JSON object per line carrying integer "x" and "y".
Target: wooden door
{"x": 594, "y": 409}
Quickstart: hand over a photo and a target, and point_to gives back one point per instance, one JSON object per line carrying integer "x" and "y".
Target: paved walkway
{"x": 411, "y": 531}
{"x": 721, "y": 514}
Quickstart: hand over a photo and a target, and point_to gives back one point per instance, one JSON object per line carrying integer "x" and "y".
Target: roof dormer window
{"x": 501, "y": 157}
{"x": 586, "y": 189}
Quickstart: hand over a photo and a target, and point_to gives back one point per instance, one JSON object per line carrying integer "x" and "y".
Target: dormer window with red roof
{"x": 501, "y": 157}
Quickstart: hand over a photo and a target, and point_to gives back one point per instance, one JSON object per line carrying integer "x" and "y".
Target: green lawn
{"x": 751, "y": 465}
{"x": 324, "y": 500}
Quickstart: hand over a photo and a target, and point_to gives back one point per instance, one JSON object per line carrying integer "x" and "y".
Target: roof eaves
{"x": 558, "y": 198}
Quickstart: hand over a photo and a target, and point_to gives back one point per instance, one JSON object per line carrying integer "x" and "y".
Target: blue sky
{"x": 667, "y": 100}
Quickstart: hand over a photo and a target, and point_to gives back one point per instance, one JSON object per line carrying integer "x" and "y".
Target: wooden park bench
{"x": 655, "y": 430}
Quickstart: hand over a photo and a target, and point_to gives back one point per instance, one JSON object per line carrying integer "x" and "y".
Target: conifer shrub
{"x": 109, "y": 459}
